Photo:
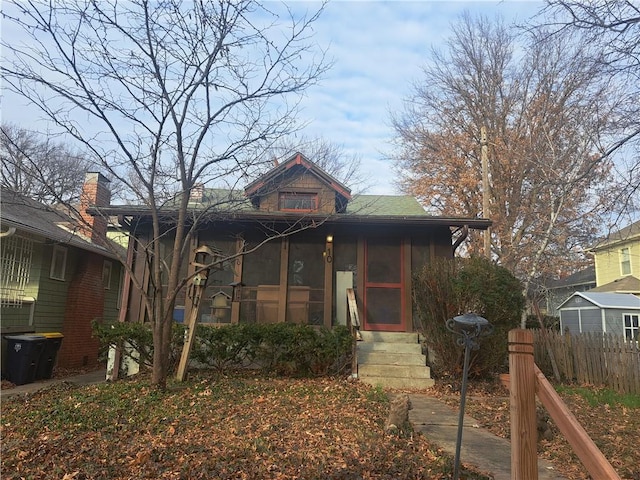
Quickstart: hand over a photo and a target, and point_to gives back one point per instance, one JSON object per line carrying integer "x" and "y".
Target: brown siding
{"x": 303, "y": 183}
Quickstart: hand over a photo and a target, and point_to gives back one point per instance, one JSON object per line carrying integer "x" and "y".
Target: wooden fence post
{"x": 522, "y": 396}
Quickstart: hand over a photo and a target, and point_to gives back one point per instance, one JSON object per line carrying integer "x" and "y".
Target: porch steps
{"x": 393, "y": 360}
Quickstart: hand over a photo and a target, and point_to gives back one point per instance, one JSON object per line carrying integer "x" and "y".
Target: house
{"x": 297, "y": 239}
{"x": 617, "y": 261}
{"x": 614, "y": 313}
{"x": 557, "y": 291}
{"x": 57, "y": 273}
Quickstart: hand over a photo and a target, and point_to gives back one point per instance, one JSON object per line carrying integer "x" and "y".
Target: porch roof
{"x": 232, "y": 206}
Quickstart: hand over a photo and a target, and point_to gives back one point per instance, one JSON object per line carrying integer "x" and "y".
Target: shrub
{"x": 447, "y": 288}
{"x": 139, "y": 338}
{"x": 281, "y": 348}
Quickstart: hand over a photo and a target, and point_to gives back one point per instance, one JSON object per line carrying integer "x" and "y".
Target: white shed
{"x": 616, "y": 313}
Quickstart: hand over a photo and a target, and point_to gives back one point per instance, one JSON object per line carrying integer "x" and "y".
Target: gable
{"x": 298, "y": 185}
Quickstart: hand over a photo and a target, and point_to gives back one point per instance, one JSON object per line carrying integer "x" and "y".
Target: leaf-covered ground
{"x": 613, "y": 426}
{"x": 240, "y": 427}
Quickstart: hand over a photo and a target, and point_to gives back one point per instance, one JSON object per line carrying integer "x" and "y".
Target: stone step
{"x": 402, "y": 371}
{"x": 378, "y": 357}
{"x": 399, "y": 382}
{"x": 364, "y": 347}
{"x": 389, "y": 337}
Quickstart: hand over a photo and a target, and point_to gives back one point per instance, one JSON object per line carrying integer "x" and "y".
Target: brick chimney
{"x": 95, "y": 193}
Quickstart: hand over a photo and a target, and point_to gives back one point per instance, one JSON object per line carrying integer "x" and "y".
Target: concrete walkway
{"x": 435, "y": 419}
{"x": 489, "y": 453}
{"x": 90, "y": 378}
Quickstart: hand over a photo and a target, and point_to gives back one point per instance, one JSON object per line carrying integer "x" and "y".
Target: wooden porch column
{"x": 237, "y": 278}
{"x": 406, "y": 271}
{"x": 360, "y": 278}
{"x": 284, "y": 280}
{"x": 328, "y": 281}
{"x": 188, "y": 302}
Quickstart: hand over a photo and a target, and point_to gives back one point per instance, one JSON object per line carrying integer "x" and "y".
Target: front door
{"x": 384, "y": 285}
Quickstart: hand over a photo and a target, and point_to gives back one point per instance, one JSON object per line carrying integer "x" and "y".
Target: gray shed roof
{"x": 608, "y": 300}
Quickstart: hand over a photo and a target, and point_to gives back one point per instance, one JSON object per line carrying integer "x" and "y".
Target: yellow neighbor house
{"x": 617, "y": 261}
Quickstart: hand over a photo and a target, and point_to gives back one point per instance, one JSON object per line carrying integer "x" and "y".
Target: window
{"x": 299, "y": 201}
{"x": 106, "y": 274}
{"x": 15, "y": 265}
{"x": 631, "y": 326}
{"x": 58, "y": 263}
{"x": 625, "y": 261}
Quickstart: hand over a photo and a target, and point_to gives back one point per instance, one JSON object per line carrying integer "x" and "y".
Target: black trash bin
{"x": 23, "y": 355}
{"x": 49, "y": 354}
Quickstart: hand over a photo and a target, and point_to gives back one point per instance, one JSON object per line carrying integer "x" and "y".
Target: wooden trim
{"x": 328, "y": 282}
{"x": 237, "y": 278}
{"x": 360, "y": 260}
{"x": 407, "y": 304}
{"x": 284, "y": 280}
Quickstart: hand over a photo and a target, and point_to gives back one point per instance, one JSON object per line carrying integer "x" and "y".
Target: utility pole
{"x": 485, "y": 188}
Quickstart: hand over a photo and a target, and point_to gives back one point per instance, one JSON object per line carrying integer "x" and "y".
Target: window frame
{"x": 634, "y": 330}
{"x": 58, "y": 269}
{"x": 625, "y": 261}
{"x": 286, "y": 195}
{"x": 107, "y": 271}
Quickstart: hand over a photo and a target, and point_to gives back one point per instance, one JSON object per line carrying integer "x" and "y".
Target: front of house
{"x": 297, "y": 239}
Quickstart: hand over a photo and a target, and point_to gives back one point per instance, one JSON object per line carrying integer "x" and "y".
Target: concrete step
{"x": 389, "y": 337}
{"x": 399, "y": 382}
{"x": 377, "y": 357}
{"x": 402, "y": 371}
{"x": 389, "y": 347}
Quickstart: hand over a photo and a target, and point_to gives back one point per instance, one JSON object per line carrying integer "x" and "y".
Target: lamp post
{"x": 469, "y": 328}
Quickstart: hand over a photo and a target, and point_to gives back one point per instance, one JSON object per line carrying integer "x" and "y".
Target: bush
{"x": 139, "y": 338}
{"x": 281, "y": 348}
{"x": 447, "y": 288}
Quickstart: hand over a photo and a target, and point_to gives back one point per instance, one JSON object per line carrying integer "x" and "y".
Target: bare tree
{"x": 39, "y": 168}
{"x": 613, "y": 28}
{"x": 545, "y": 111}
{"x": 177, "y": 94}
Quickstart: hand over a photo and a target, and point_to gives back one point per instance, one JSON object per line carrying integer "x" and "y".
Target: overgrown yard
{"x": 244, "y": 426}
{"x": 611, "y": 420}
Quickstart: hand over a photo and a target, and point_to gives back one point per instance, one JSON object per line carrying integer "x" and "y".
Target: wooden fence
{"x": 590, "y": 358}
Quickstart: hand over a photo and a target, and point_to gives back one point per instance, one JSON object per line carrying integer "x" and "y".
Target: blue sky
{"x": 379, "y": 49}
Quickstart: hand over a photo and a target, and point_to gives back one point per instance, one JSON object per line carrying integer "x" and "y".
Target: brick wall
{"x": 95, "y": 192}
{"x": 85, "y": 302}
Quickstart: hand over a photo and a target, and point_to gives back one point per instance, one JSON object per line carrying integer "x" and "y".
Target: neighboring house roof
{"x": 627, "y": 284}
{"x": 623, "y": 235}
{"x": 608, "y": 300}
{"x": 30, "y": 216}
{"x": 582, "y": 277}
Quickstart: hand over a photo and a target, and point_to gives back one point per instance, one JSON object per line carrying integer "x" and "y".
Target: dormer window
{"x": 298, "y": 201}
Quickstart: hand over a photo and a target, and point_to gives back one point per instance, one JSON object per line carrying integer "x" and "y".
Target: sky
{"x": 378, "y": 51}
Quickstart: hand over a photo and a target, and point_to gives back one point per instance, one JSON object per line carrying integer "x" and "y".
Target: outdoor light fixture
{"x": 469, "y": 328}
{"x": 329, "y": 238}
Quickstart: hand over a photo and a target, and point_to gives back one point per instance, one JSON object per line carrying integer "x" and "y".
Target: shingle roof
{"x": 621, "y": 235}
{"x": 386, "y": 205}
{"x": 608, "y": 300}
{"x": 587, "y": 275}
{"x": 629, "y": 284}
{"x": 36, "y": 218}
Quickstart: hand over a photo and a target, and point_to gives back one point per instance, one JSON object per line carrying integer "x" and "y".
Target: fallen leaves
{"x": 243, "y": 426}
